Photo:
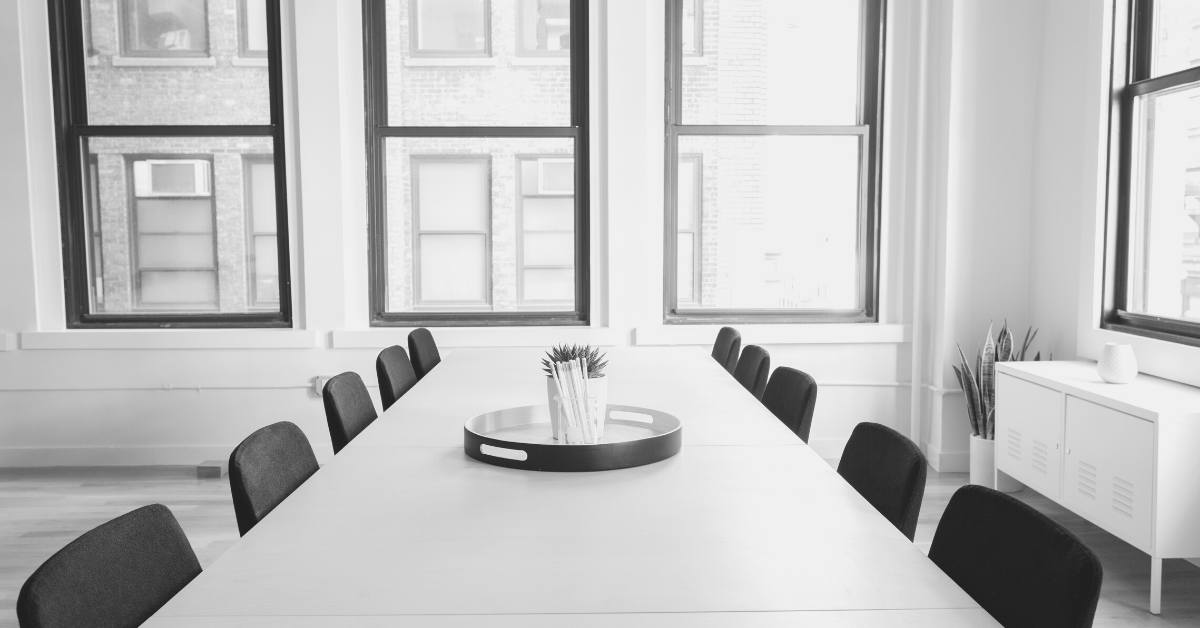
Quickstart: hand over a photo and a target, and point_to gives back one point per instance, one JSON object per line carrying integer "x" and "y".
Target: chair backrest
{"x": 396, "y": 375}
{"x": 888, "y": 470}
{"x": 265, "y": 468}
{"x": 752, "y": 370}
{"x": 1022, "y": 567}
{"x": 423, "y": 350}
{"x": 116, "y": 575}
{"x": 348, "y": 408}
{"x": 791, "y": 396}
{"x": 726, "y": 348}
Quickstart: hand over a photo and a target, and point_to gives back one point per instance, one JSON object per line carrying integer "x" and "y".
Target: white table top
{"x": 746, "y": 526}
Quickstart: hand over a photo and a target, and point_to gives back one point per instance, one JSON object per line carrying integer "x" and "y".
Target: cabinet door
{"x": 1029, "y": 422}
{"x": 1110, "y": 470}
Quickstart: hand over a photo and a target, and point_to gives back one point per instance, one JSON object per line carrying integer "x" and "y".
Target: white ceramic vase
{"x": 1117, "y": 363}
{"x": 598, "y": 386}
{"x": 983, "y": 467}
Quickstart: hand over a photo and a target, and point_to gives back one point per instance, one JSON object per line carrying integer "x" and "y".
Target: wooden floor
{"x": 43, "y": 509}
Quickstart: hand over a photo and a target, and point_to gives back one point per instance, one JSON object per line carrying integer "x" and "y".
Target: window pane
{"x": 453, "y": 269}
{"x": 181, "y": 288}
{"x": 687, "y": 267}
{"x": 174, "y": 216}
{"x": 453, "y": 195}
{"x": 143, "y": 63}
{"x": 549, "y": 249}
{"x": 556, "y": 176}
{"x": 545, "y": 26}
{"x": 686, "y": 199}
{"x": 166, "y": 26}
{"x": 549, "y": 284}
{"x": 465, "y": 185}
{"x": 256, "y": 25}
{"x": 784, "y": 215}
{"x": 1176, "y": 36}
{"x": 691, "y": 27}
{"x": 1164, "y": 245}
{"x": 266, "y": 270}
{"x": 147, "y": 232}
{"x": 262, "y": 196}
{"x": 776, "y": 62}
{"x": 451, "y": 25}
{"x": 461, "y": 82}
{"x": 549, "y": 214}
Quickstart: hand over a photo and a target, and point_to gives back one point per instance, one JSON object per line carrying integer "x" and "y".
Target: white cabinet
{"x": 1125, "y": 457}
{"x": 1029, "y": 434}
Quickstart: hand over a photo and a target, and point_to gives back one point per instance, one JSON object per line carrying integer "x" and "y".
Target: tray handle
{"x": 503, "y": 452}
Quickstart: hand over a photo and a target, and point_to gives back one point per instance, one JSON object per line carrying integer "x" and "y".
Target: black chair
{"x": 888, "y": 470}
{"x": 1021, "y": 566}
{"x": 396, "y": 375}
{"x": 726, "y": 348}
{"x": 752, "y": 369}
{"x": 424, "y": 351}
{"x": 267, "y": 467}
{"x": 116, "y": 575}
{"x": 348, "y": 408}
{"x": 791, "y": 396}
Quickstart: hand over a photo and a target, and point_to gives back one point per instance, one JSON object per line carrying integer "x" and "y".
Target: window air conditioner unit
{"x": 172, "y": 177}
{"x": 556, "y": 176}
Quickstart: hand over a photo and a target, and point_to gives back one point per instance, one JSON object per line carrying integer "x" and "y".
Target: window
{"x": 162, "y": 28}
{"x": 478, "y": 212}
{"x": 450, "y": 28}
{"x": 253, "y": 28}
{"x": 544, "y": 27}
{"x": 1153, "y": 284}
{"x": 772, "y": 160}
{"x": 172, "y": 208}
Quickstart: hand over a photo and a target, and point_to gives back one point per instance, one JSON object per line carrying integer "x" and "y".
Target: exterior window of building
{"x": 158, "y": 28}
{"x": 1153, "y": 287}
{"x": 450, "y": 28}
{"x": 546, "y": 203}
{"x": 263, "y": 243}
{"x": 253, "y": 31}
{"x": 172, "y": 207}
{"x": 478, "y": 212}
{"x": 544, "y": 27}
{"x": 690, "y": 191}
{"x": 772, "y": 160}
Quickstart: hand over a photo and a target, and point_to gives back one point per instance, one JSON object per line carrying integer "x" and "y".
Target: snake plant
{"x": 979, "y": 383}
{"x": 567, "y": 353}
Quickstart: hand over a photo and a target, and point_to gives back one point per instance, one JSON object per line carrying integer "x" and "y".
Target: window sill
{"x": 249, "y": 62}
{"x": 461, "y": 337}
{"x": 796, "y": 334}
{"x": 534, "y": 61}
{"x": 435, "y": 62}
{"x": 169, "y": 339}
{"x": 163, "y": 62}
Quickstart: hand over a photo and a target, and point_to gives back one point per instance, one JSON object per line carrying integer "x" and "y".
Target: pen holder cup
{"x": 580, "y": 420}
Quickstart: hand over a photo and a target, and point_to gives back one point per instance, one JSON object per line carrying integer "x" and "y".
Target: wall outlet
{"x": 317, "y": 385}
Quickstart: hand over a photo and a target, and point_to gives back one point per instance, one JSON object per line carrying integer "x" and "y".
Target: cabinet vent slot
{"x": 1087, "y": 480}
{"x": 1123, "y": 497}
{"x": 1038, "y": 457}
{"x": 1014, "y": 444}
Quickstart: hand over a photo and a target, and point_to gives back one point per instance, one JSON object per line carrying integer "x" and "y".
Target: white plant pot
{"x": 1117, "y": 363}
{"x": 983, "y": 467}
{"x": 598, "y": 386}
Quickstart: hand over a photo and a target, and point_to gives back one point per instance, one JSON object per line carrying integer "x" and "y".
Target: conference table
{"x": 745, "y": 526}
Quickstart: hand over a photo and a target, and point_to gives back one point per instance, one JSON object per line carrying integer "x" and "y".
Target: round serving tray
{"x": 519, "y": 438}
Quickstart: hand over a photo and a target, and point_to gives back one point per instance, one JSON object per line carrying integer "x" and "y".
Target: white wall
{"x": 180, "y": 397}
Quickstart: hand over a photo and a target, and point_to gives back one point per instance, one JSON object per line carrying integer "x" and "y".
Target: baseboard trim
{"x": 947, "y": 461}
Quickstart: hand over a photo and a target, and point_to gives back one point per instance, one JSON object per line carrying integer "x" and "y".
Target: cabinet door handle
{"x": 1068, "y": 451}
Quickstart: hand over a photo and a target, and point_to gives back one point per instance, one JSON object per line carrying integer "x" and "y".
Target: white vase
{"x": 983, "y": 467}
{"x": 1117, "y": 363}
{"x": 598, "y": 386}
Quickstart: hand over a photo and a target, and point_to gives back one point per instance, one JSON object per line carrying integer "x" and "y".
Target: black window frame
{"x": 415, "y": 51}
{"x": 869, "y": 128}
{"x": 378, "y": 131}
{"x": 71, "y": 134}
{"x": 125, "y": 11}
{"x": 1132, "y": 58}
